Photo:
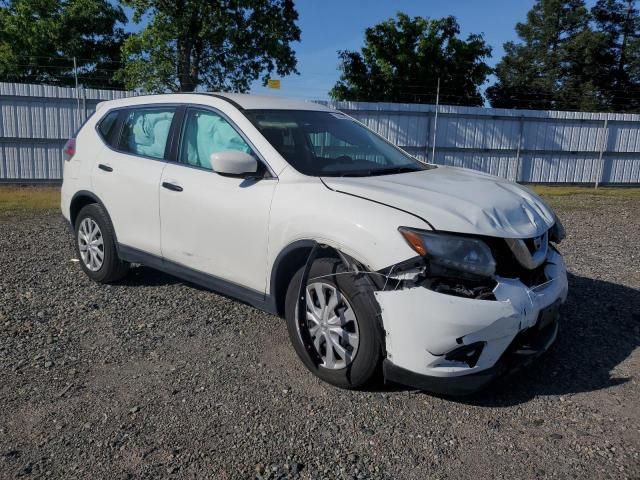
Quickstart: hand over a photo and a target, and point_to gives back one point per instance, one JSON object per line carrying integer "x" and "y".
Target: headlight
{"x": 557, "y": 232}
{"x": 453, "y": 252}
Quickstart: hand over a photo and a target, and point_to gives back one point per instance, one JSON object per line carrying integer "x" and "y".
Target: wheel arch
{"x": 81, "y": 199}
{"x": 290, "y": 259}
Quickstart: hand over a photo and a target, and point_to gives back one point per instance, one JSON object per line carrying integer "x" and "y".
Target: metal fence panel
{"x": 523, "y": 145}
{"x": 544, "y": 168}
{"x": 36, "y": 121}
{"x": 502, "y": 165}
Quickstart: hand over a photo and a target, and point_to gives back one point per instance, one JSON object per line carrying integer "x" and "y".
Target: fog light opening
{"x": 468, "y": 354}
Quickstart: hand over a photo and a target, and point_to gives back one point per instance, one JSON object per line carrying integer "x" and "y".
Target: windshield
{"x": 330, "y": 144}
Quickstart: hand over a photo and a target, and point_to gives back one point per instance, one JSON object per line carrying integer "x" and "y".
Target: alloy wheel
{"x": 332, "y": 325}
{"x": 91, "y": 244}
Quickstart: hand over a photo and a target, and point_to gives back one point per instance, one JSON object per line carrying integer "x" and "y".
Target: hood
{"x": 456, "y": 200}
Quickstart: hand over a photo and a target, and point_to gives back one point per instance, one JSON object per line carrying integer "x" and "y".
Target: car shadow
{"x": 599, "y": 329}
{"x": 141, "y": 276}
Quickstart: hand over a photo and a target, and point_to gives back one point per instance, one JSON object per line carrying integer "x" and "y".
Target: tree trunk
{"x": 189, "y": 55}
{"x": 185, "y": 83}
{"x": 627, "y": 31}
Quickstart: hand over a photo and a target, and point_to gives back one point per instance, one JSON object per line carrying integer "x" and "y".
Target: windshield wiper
{"x": 380, "y": 171}
{"x": 392, "y": 170}
{"x": 356, "y": 173}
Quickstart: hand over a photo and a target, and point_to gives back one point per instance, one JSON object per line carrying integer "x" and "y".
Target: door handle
{"x": 172, "y": 186}
{"x": 104, "y": 167}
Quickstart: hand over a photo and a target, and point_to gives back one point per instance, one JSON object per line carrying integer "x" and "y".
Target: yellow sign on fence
{"x": 275, "y": 84}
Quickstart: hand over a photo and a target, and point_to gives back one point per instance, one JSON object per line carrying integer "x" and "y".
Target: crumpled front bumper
{"x": 423, "y": 326}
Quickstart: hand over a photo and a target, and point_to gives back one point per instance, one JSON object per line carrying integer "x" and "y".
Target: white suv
{"x": 443, "y": 277}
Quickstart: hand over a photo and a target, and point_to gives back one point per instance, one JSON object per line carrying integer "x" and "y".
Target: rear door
{"x": 214, "y": 223}
{"x": 127, "y": 174}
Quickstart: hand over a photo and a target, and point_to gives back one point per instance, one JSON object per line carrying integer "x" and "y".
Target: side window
{"x": 107, "y": 125}
{"x": 206, "y": 132}
{"x": 145, "y": 131}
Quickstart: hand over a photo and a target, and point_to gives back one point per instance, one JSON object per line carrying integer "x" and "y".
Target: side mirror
{"x": 233, "y": 162}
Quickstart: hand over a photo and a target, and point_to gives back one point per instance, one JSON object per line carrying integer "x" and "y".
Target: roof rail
{"x": 222, "y": 97}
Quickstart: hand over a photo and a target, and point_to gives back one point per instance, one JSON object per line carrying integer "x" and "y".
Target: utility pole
{"x": 435, "y": 124}
{"x": 84, "y": 103}
{"x": 519, "y": 172}
{"x": 603, "y": 145}
{"x": 75, "y": 74}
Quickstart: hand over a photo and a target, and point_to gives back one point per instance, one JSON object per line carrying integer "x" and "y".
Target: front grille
{"x": 530, "y": 252}
{"x": 529, "y": 242}
{"x": 509, "y": 267}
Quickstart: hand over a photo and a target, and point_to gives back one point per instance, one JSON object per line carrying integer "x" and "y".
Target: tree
{"x": 403, "y": 58}
{"x": 572, "y": 59}
{"x": 221, "y": 45}
{"x": 39, "y": 38}
{"x": 619, "y": 73}
{"x": 551, "y": 66}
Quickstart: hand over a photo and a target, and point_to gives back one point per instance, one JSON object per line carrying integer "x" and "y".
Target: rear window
{"x": 145, "y": 131}
{"x": 107, "y": 125}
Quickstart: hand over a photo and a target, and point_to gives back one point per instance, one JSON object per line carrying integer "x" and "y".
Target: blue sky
{"x": 331, "y": 25}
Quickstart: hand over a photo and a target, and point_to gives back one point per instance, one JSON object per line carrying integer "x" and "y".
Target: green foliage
{"x": 39, "y": 38}
{"x": 218, "y": 45}
{"x": 403, "y": 58}
{"x": 572, "y": 59}
{"x": 619, "y": 73}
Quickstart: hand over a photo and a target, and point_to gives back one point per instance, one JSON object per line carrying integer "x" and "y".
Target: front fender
{"x": 364, "y": 230}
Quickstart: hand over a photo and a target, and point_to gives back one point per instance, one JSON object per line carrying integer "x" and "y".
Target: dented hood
{"x": 456, "y": 200}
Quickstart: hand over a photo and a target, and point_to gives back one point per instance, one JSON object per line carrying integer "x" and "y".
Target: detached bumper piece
{"x": 528, "y": 345}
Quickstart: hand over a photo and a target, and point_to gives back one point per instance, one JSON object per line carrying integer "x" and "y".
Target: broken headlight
{"x": 452, "y": 252}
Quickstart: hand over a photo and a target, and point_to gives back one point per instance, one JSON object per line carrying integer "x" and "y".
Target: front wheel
{"x": 340, "y": 340}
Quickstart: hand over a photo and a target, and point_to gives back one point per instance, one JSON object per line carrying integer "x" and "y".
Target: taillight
{"x": 69, "y": 149}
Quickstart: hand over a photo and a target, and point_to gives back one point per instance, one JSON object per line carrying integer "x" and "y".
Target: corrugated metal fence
{"x": 35, "y": 123}
{"x": 523, "y": 145}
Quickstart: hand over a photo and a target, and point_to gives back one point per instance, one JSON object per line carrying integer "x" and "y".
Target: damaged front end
{"x": 468, "y": 308}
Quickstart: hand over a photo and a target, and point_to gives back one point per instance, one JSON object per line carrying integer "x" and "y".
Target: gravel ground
{"x": 155, "y": 378}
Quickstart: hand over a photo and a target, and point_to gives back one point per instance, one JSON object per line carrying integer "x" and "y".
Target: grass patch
{"x": 18, "y": 199}
{"x": 22, "y": 199}
{"x": 560, "y": 191}
{"x": 576, "y": 198}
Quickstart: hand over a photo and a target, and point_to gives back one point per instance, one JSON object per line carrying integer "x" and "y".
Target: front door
{"x": 213, "y": 223}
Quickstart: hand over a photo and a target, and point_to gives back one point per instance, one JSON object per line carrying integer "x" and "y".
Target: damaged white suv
{"x": 442, "y": 277}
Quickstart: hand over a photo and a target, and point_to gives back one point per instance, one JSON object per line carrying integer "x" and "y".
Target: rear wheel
{"x": 340, "y": 339}
{"x": 96, "y": 245}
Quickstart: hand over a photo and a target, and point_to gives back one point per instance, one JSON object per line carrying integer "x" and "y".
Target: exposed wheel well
{"x": 287, "y": 264}
{"x": 77, "y": 204}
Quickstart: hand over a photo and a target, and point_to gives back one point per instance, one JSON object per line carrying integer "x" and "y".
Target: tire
{"x": 363, "y": 366}
{"x": 110, "y": 269}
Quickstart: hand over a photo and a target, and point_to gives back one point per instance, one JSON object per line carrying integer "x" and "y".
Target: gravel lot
{"x": 155, "y": 378}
